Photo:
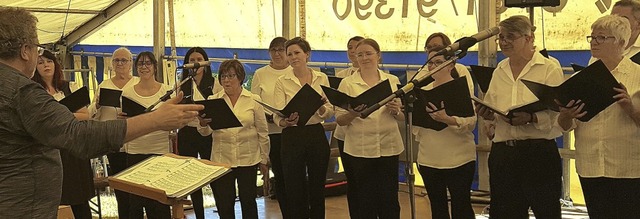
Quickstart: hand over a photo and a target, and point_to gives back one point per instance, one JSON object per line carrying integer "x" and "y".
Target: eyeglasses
{"x": 121, "y": 61}
{"x": 599, "y": 39}
{"x": 280, "y": 50}
{"x": 508, "y": 39}
{"x": 365, "y": 54}
{"x": 144, "y": 64}
{"x": 227, "y": 76}
{"x": 434, "y": 63}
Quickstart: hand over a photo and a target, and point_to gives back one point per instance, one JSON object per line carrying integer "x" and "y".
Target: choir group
{"x": 524, "y": 163}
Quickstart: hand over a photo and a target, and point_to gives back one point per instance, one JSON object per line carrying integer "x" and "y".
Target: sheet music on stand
{"x": 171, "y": 175}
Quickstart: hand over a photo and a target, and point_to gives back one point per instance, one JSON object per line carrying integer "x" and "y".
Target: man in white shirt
{"x": 524, "y": 164}
{"x": 630, "y": 9}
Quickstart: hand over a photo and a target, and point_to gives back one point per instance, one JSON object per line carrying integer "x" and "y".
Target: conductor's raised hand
{"x": 292, "y": 120}
{"x": 485, "y": 112}
{"x": 171, "y": 115}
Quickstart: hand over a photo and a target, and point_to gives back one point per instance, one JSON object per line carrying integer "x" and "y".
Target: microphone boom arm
{"x": 405, "y": 89}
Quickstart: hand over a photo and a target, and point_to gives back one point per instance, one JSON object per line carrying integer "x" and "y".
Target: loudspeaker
{"x": 530, "y": 3}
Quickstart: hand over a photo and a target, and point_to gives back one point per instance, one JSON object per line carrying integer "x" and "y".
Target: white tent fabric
{"x": 51, "y": 25}
{"x": 253, "y": 23}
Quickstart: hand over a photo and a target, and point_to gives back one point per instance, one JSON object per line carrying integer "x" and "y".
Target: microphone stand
{"x": 190, "y": 77}
{"x": 409, "y": 98}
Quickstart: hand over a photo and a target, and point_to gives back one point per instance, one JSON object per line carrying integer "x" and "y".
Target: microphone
{"x": 196, "y": 64}
{"x": 466, "y": 42}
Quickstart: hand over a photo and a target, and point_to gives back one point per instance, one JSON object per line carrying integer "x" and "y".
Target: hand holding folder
{"x": 109, "y": 97}
{"x": 593, "y": 86}
{"x": 222, "y": 117}
{"x": 369, "y": 97}
{"x": 77, "y": 99}
{"x": 456, "y": 98}
{"x": 305, "y": 103}
{"x": 531, "y": 107}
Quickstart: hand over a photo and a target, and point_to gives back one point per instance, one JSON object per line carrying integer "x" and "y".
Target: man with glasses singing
{"x": 33, "y": 126}
{"x": 524, "y": 164}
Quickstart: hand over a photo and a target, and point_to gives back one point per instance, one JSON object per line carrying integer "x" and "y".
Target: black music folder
{"x": 482, "y": 75}
{"x": 370, "y": 97}
{"x": 593, "y": 86}
{"x": 77, "y": 99}
{"x": 109, "y": 97}
{"x": 222, "y": 117}
{"x": 576, "y": 67}
{"x": 636, "y": 58}
{"x": 530, "y": 107}
{"x": 334, "y": 82}
{"x": 306, "y": 102}
{"x": 456, "y": 98}
{"x": 131, "y": 107}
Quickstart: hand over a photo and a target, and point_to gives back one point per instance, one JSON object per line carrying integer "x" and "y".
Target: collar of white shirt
{"x": 291, "y": 76}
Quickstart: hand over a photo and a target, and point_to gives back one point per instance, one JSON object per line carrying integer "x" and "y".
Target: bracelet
{"x": 530, "y": 118}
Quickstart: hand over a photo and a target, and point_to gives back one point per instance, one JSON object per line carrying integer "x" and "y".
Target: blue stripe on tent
{"x": 99, "y": 69}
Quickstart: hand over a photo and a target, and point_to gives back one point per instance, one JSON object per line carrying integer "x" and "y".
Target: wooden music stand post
{"x": 176, "y": 203}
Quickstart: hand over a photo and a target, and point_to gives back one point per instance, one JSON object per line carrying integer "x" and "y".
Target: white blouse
{"x": 288, "y": 86}
{"x": 377, "y": 135}
{"x": 451, "y": 147}
{"x": 263, "y": 84}
{"x": 339, "y": 133}
{"x": 241, "y": 146}
{"x": 106, "y": 112}
{"x": 505, "y": 91}
{"x": 608, "y": 144}
{"x": 155, "y": 142}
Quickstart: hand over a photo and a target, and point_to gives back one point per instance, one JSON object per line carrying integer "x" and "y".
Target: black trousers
{"x": 153, "y": 208}
{"x": 117, "y": 163}
{"x": 523, "y": 174}
{"x": 192, "y": 144}
{"x": 224, "y": 192}
{"x": 305, "y": 156}
{"x": 611, "y": 198}
{"x": 275, "y": 141}
{"x": 376, "y": 180}
{"x": 458, "y": 181}
{"x": 351, "y": 190}
{"x": 81, "y": 211}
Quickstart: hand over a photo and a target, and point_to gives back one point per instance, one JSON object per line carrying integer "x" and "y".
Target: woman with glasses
{"x": 146, "y": 92}
{"x": 447, "y": 158}
{"x": 524, "y": 163}
{"x": 243, "y": 148}
{"x": 437, "y": 40}
{"x": 373, "y": 144}
{"x": 263, "y": 84}
{"x": 607, "y": 145}
{"x": 190, "y": 142}
{"x": 121, "y": 65}
{"x": 77, "y": 178}
{"x": 305, "y": 150}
